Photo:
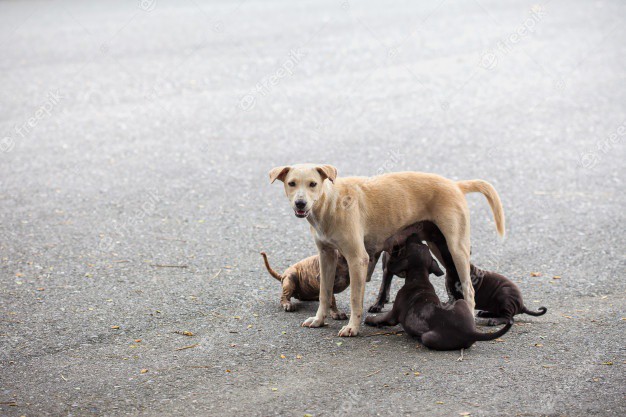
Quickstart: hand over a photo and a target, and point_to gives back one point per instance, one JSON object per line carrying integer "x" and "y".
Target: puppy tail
{"x": 479, "y": 336}
{"x": 541, "y": 312}
{"x": 269, "y": 268}
{"x": 486, "y": 189}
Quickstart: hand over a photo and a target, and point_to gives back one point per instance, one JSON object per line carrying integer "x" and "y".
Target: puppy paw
{"x": 313, "y": 322}
{"x": 375, "y": 308}
{"x": 340, "y": 315}
{"x": 349, "y": 331}
{"x": 496, "y": 322}
{"x": 289, "y": 307}
{"x": 370, "y": 321}
{"x": 481, "y": 321}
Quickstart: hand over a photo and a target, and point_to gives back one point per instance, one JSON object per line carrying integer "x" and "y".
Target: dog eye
{"x": 292, "y": 184}
{"x": 313, "y": 184}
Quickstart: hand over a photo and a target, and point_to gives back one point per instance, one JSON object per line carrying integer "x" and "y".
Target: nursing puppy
{"x": 361, "y": 217}
{"x": 498, "y": 298}
{"x": 418, "y": 309}
{"x": 302, "y": 282}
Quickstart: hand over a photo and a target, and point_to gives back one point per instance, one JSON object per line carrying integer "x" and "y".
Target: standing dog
{"x": 361, "y": 217}
{"x": 302, "y": 281}
{"x": 498, "y": 298}
{"x": 418, "y": 309}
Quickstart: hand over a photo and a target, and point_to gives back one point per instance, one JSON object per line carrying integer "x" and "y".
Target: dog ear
{"x": 327, "y": 171}
{"x": 435, "y": 268}
{"x": 278, "y": 173}
{"x": 399, "y": 265}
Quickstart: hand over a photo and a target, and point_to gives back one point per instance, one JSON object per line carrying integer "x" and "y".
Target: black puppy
{"x": 498, "y": 298}
{"x": 418, "y": 309}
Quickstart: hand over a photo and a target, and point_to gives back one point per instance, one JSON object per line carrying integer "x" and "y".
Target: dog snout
{"x": 300, "y": 204}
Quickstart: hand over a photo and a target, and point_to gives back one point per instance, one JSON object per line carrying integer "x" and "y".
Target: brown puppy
{"x": 498, "y": 298}
{"x": 302, "y": 282}
{"x": 418, "y": 309}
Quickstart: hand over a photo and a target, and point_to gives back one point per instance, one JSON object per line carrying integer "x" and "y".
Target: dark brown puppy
{"x": 498, "y": 298}
{"x": 418, "y": 309}
{"x": 302, "y": 282}
{"x": 426, "y": 231}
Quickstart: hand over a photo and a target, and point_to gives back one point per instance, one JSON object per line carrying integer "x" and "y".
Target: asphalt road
{"x": 136, "y": 138}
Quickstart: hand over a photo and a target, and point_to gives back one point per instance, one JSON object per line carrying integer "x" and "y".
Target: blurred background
{"x": 135, "y": 142}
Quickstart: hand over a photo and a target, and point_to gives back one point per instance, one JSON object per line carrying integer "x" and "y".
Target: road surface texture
{"x": 136, "y": 140}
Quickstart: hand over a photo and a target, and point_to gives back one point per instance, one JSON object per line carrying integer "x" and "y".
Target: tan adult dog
{"x": 363, "y": 216}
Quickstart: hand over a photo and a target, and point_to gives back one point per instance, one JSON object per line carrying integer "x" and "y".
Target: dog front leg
{"x": 357, "y": 263}
{"x": 288, "y": 290}
{"x": 328, "y": 267}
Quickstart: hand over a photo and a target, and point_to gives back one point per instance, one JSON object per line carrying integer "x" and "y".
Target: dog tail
{"x": 269, "y": 268}
{"x": 541, "y": 312}
{"x": 479, "y": 336}
{"x": 486, "y": 189}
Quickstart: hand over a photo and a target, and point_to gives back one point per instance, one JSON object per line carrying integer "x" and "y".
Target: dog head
{"x": 303, "y": 184}
{"x": 414, "y": 256}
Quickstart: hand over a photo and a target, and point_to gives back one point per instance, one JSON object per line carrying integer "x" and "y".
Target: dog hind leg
{"x": 457, "y": 233}
{"x": 385, "y": 285}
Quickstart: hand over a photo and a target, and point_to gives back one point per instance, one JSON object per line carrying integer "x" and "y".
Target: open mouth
{"x": 301, "y": 213}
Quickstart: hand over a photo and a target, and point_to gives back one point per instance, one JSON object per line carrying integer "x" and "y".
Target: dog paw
{"x": 375, "y": 308}
{"x": 313, "y": 322}
{"x": 289, "y": 307}
{"x": 349, "y": 331}
{"x": 339, "y": 316}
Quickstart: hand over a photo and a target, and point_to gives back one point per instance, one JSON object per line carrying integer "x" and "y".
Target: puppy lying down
{"x": 302, "y": 282}
{"x": 420, "y": 312}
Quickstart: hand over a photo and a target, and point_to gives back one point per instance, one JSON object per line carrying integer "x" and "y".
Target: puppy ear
{"x": 327, "y": 171}
{"x": 278, "y": 173}
{"x": 435, "y": 268}
{"x": 398, "y": 265}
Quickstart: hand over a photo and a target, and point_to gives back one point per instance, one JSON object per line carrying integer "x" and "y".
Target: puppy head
{"x": 416, "y": 255}
{"x": 303, "y": 184}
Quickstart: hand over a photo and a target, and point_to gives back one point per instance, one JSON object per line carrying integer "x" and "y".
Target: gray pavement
{"x": 136, "y": 138}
